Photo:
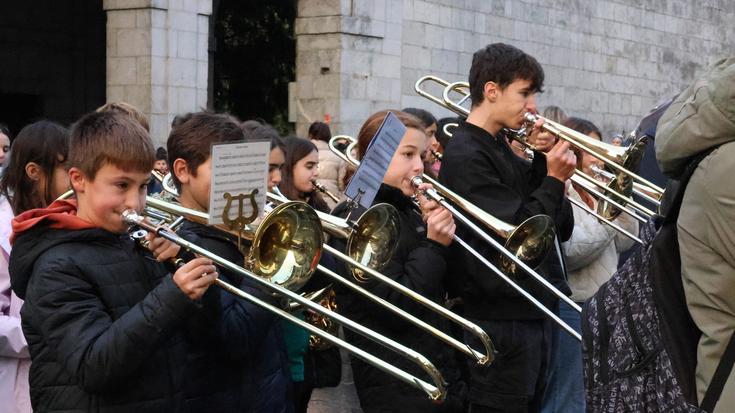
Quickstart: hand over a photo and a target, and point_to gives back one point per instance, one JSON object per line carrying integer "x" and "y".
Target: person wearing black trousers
{"x": 479, "y": 165}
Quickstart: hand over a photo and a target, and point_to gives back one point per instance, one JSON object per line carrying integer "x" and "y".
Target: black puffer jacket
{"x": 103, "y": 323}
{"x": 419, "y": 264}
{"x": 237, "y": 358}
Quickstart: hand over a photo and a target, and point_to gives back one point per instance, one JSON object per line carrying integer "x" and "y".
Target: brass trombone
{"x": 357, "y": 247}
{"x": 599, "y": 195}
{"x": 621, "y": 159}
{"x": 611, "y": 201}
{"x": 370, "y": 245}
{"x": 530, "y": 241}
{"x": 435, "y": 391}
{"x": 321, "y": 188}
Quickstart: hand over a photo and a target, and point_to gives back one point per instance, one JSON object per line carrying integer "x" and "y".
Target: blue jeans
{"x": 565, "y": 388}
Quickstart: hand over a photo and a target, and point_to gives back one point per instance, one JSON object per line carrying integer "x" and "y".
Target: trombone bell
{"x": 287, "y": 245}
{"x": 531, "y": 242}
{"x": 374, "y": 239}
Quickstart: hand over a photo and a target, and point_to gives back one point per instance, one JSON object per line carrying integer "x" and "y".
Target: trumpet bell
{"x": 531, "y": 242}
{"x": 287, "y": 245}
{"x": 374, "y": 239}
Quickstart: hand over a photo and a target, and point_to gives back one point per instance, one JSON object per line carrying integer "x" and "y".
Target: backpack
{"x": 639, "y": 341}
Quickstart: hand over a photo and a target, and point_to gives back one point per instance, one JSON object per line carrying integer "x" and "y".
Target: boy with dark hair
{"x": 479, "y": 165}
{"x": 103, "y": 319}
{"x": 238, "y": 357}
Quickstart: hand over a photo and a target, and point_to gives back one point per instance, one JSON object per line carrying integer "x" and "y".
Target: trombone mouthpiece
{"x": 416, "y": 181}
{"x": 530, "y": 117}
{"x": 131, "y": 217}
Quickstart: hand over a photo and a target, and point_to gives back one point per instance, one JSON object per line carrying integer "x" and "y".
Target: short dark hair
{"x": 320, "y": 131}
{"x": 179, "y": 119}
{"x": 426, "y": 118}
{"x": 161, "y": 154}
{"x": 46, "y": 144}
{"x": 110, "y": 137}
{"x": 255, "y": 130}
{"x": 192, "y": 139}
{"x": 502, "y": 63}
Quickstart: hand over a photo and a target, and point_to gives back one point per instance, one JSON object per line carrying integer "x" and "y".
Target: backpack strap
{"x": 712, "y": 395}
{"x": 673, "y": 212}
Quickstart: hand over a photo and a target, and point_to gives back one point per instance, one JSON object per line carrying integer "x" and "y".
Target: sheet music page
{"x": 238, "y": 168}
{"x": 369, "y": 175}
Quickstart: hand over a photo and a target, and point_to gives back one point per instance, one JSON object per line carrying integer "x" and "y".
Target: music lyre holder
{"x": 240, "y": 221}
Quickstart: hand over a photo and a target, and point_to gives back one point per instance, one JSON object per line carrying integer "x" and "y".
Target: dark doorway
{"x": 254, "y": 55}
{"x": 18, "y": 110}
{"x": 53, "y": 60}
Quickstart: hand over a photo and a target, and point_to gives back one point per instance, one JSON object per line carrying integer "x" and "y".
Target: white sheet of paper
{"x": 238, "y": 168}
{"x": 369, "y": 175}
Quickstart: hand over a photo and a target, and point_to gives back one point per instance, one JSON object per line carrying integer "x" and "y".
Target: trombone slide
{"x": 434, "y": 195}
{"x": 481, "y": 358}
{"x": 436, "y": 391}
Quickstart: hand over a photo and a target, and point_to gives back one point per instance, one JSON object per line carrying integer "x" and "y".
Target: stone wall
{"x": 609, "y": 61}
{"x": 157, "y": 57}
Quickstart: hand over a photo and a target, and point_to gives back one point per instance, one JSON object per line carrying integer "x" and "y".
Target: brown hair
{"x": 370, "y": 128}
{"x": 583, "y": 126}
{"x": 371, "y": 125}
{"x": 45, "y": 143}
{"x": 296, "y": 149}
{"x": 101, "y": 138}
{"x": 126, "y": 109}
{"x": 555, "y": 113}
{"x": 192, "y": 139}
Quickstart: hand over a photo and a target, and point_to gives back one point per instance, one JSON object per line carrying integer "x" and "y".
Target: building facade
{"x": 606, "y": 60}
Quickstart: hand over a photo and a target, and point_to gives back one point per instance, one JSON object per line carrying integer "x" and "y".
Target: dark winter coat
{"x": 104, "y": 323}
{"x": 236, "y": 346}
{"x": 419, "y": 264}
